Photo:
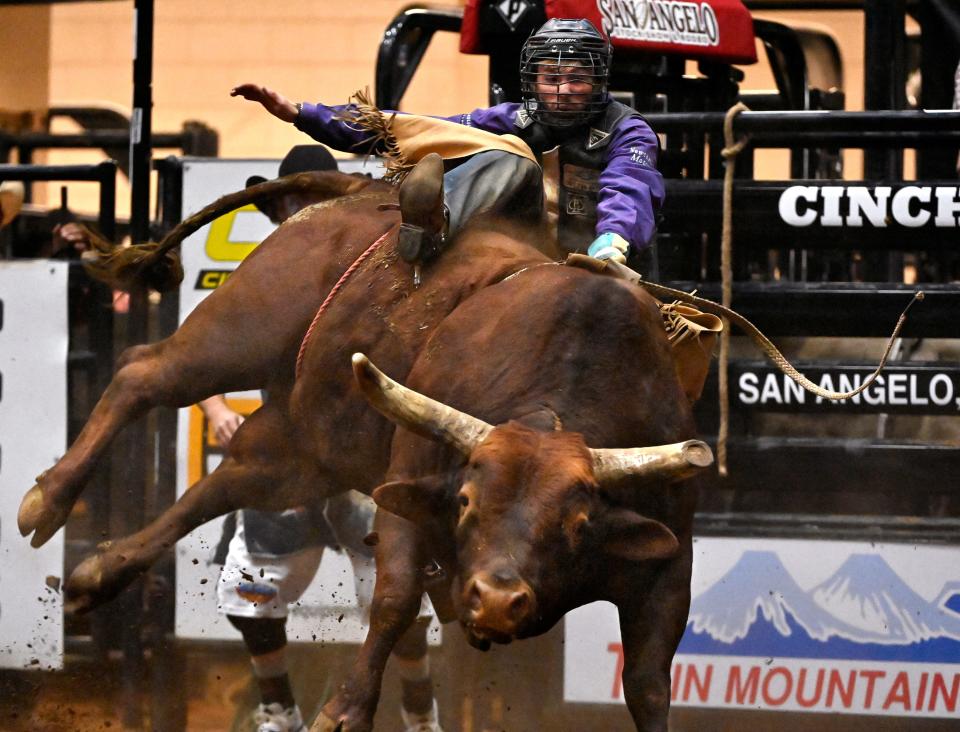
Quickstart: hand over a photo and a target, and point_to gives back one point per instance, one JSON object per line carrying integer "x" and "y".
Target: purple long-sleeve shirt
{"x": 631, "y": 188}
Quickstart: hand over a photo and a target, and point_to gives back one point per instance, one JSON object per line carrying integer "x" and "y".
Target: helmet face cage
{"x": 570, "y": 53}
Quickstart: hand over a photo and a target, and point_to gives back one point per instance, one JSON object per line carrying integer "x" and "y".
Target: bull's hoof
{"x": 35, "y": 516}
{"x": 99, "y": 578}
{"x": 31, "y": 510}
{"x": 82, "y": 591}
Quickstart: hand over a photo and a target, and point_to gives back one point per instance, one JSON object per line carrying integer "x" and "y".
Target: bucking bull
{"x": 542, "y": 471}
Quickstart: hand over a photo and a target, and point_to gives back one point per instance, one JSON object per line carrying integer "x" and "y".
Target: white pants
{"x": 264, "y": 585}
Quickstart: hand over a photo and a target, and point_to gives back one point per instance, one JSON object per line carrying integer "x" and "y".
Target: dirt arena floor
{"x": 517, "y": 688}
{"x": 211, "y": 691}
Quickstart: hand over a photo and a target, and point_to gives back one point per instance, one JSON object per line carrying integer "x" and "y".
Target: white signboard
{"x": 328, "y": 610}
{"x": 799, "y": 626}
{"x": 33, "y": 435}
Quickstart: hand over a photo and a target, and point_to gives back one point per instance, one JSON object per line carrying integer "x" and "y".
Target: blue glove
{"x": 609, "y": 246}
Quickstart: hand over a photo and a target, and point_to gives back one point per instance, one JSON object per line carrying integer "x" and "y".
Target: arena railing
{"x": 817, "y": 296}
{"x": 195, "y": 138}
{"x": 90, "y": 357}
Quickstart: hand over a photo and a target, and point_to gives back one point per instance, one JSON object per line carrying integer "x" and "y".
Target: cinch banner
{"x": 798, "y": 626}
{"x": 33, "y": 436}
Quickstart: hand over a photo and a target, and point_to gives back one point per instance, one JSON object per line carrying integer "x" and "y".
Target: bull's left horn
{"x": 416, "y": 412}
{"x": 664, "y": 462}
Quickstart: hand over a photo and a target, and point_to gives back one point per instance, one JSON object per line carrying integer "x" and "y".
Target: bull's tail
{"x": 157, "y": 266}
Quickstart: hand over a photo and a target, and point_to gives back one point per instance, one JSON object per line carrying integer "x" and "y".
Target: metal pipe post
{"x": 141, "y": 122}
{"x": 107, "y": 219}
{"x": 129, "y": 482}
{"x": 885, "y": 75}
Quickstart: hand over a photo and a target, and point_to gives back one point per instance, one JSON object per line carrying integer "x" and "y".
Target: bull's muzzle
{"x": 497, "y": 608}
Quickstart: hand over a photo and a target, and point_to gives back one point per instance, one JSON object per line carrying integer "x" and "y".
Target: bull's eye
{"x": 464, "y": 498}
{"x": 577, "y": 528}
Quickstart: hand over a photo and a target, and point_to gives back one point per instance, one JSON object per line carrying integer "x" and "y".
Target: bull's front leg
{"x": 396, "y": 602}
{"x": 651, "y": 628}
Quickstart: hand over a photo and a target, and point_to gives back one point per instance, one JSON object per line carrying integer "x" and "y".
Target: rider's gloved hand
{"x": 609, "y": 246}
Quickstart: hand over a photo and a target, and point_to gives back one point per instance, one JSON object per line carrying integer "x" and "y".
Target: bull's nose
{"x": 498, "y": 606}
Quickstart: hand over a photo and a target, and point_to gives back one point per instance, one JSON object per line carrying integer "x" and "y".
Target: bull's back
{"x": 382, "y": 313}
{"x": 259, "y": 315}
{"x": 590, "y": 348}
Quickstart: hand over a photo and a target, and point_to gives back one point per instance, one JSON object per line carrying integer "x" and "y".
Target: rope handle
{"x": 767, "y": 346}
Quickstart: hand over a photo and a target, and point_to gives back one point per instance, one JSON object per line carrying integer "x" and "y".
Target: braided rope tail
{"x": 156, "y": 266}
{"x": 731, "y": 149}
{"x": 764, "y": 343}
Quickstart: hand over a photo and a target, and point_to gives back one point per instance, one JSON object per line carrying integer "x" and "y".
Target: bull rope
{"x": 764, "y": 343}
{"x": 333, "y": 293}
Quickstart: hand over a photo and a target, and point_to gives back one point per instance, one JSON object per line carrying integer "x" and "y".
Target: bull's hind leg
{"x": 146, "y": 376}
{"x": 396, "y": 601}
{"x": 261, "y": 472}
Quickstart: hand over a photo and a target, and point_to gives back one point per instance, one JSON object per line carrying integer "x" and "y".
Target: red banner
{"x": 720, "y": 30}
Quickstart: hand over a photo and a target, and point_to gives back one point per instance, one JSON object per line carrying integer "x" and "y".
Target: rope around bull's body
{"x": 333, "y": 293}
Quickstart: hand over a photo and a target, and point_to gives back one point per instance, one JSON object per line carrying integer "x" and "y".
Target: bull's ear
{"x": 636, "y": 538}
{"x": 420, "y": 500}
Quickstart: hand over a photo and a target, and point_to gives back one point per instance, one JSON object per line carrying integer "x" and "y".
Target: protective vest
{"x": 582, "y": 153}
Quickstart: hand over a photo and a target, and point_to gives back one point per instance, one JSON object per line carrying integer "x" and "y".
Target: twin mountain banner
{"x": 801, "y": 626}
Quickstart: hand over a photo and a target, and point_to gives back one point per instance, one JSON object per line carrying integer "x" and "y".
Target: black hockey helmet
{"x": 548, "y": 54}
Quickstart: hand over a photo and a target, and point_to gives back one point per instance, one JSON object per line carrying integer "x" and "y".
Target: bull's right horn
{"x": 416, "y": 412}
{"x": 663, "y": 462}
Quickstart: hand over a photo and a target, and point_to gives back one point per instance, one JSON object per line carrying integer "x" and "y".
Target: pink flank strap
{"x": 333, "y": 292}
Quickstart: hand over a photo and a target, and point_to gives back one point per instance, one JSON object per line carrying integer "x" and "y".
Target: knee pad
{"x": 261, "y": 635}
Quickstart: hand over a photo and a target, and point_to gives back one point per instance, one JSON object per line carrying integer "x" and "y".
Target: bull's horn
{"x": 665, "y": 462}
{"x": 416, "y": 412}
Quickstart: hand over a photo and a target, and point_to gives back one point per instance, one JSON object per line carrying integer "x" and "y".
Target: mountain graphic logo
{"x": 864, "y": 610}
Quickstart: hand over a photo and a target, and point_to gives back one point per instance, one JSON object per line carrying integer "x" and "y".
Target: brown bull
{"x": 247, "y": 335}
{"x": 541, "y": 501}
{"x": 323, "y": 439}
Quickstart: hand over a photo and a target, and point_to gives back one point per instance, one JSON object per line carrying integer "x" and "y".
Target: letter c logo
{"x": 220, "y": 247}
{"x": 789, "y": 205}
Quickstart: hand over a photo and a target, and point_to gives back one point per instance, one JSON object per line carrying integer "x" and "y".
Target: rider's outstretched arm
{"x": 322, "y": 122}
